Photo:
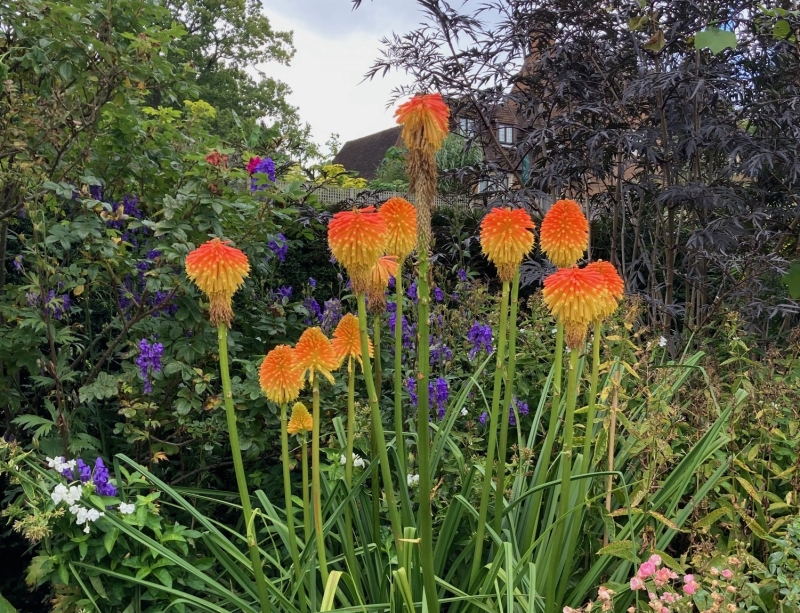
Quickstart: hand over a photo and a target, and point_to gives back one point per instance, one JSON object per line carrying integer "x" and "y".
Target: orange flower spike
{"x": 357, "y": 239}
{"x": 506, "y": 238}
{"x": 384, "y": 268}
{"x": 401, "y": 224}
{"x": 564, "y": 234}
{"x": 577, "y": 297}
{"x": 279, "y": 377}
{"x": 346, "y": 339}
{"x": 613, "y": 285}
{"x": 218, "y": 270}
{"x": 314, "y": 354}
{"x": 424, "y": 119}
{"x": 300, "y": 421}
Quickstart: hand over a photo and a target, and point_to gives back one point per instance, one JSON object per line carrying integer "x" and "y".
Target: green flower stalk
{"x": 287, "y": 494}
{"x": 493, "y": 429}
{"x": 238, "y": 466}
{"x": 347, "y": 537}
{"x": 504, "y": 419}
{"x": 316, "y": 486}
{"x": 566, "y": 470}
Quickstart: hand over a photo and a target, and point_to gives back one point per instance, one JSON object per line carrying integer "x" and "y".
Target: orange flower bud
{"x": 218, "y": 270}
{"x": 565, "y": 233}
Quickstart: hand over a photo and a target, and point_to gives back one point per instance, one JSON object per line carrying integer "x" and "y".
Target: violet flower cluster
{"x": 149, "y": 361}
{"x": 314, "y": 311}
{"x": 331, "y": 315}
{"x": 480, "y": 337}
{"x": 279, "y": 246}
{"x": 56, "y": 306}
{"x": 438, "y": 394}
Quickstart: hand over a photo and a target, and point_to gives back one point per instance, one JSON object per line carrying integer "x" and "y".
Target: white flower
{"x": 412, "y": 480}
{"x": 85, "y": 516}
{"x": 662, "y": 342}
{"x": 59, "y": 464}
{"x": 554, "y": 330}
{"x": 342, "y": 460}
{"x": 358, "y": 461}
{"x": 464, "y": 411}
{"x": 69, "y": 495}
{"x": 126, "y": 508}
{"x": 59, "y": 493}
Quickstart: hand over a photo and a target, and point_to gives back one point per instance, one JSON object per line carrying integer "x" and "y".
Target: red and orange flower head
{"x": 576, "y": 297}
{"x": 346, "y": 339}
{"x": 401, "y": 225}
{"x": 279, "y": 377}
{"x": 565, "y": 233}
{"x": 506, "y": 238}
{"x": 314, "y": 354}
{"x": 613, "y": 283}
{"x": 357, "y": 239}
{"x": 384, "y": 268}
{"x": 424, "y": 119}
{"x": 300, "y": 422}
{"x": 218, "y": 270}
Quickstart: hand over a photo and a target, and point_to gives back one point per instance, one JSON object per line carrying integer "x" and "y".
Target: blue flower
{"x": 438, "y": 294}
{"x": 84, "y": 472}
{"x": 439, "y": 394}
{"x": 284, "y": 292}
{"x": 18, "y": 263}
{"x": 411, "y": 386}
{"x": 266, "y": 167}
{"x": 391, "y": 281}
{"x": 484, "y": 416}
{"x": 480, "y": 337}
{"x": 279, "y": 246}
{"x": 100, "y": 479}
{"x": 412, "y": 292}
{"x": 312, "y": 282}
{"x": 331, "y": 315}
{"x": 314, "y": 311}
{"x": 149, "y": 361}
{"x": 462, "y": 275}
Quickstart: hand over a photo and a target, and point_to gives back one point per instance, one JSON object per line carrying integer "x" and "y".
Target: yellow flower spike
{"x": 279, "y": 376}
{"x": 564, "y": 235}
{"x": 384, "y": 268}
{"x": 357, "y": 239}
{"x": 401, "y": 224}
{"x": 218, "y": 270}
{"x": 300, "y": 421}
{"x": 506, "y": 238}
{"x": 577, "y": 297}
{"x": 424, "y": 120}
{"x": 314, "y": 354}
{"x": 346, "y": 339}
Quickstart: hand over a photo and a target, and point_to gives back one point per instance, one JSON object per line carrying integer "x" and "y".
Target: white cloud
{"x": 326, "y": 74}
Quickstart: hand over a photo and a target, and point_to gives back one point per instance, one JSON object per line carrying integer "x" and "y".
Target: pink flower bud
{"x": 646, "y": 569}
{"x": 636, "y": 584}
{"x": 655, "y": 559}
{"x": 727, "y": 573}
{"x": 690, "y": 588}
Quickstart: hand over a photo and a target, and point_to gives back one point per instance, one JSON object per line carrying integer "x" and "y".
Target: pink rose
{"x": 636, "y": 584}
{"x": 688, "y": 579}
{"x": 690, "y": 588}
{"x": 655, "y": 559}
{"x": 646, "y": 569}
{"x": 727, "y": 573}
{"x": 668, "y": 597}
{"x": 665, "y": 610}
{"x": 663, "y": 575}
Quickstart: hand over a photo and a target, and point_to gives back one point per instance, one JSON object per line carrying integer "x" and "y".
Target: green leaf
{"x": 781, "y": 29}
{"x": 110, "y": 539}
{"x": 792, "y": 280}
{"x": 620, "y": 549}
{"x": 5, "y": 606}
{"x": 715, "y": 39}
{"x": 711, "y": 518}
{"x": 98, "y": 586}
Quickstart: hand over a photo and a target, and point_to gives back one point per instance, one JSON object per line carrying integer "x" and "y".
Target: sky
{"x": 335, "y": 48}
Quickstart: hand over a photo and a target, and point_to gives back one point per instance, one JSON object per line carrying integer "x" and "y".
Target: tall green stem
{"x": 238, "y": 466}
{"x": 307, "y": 513}
{"x": 376, "y": 486}
{"x": 287, "y": 495}
{"x": 347, "y": 537}
{"x": 493, "y": 428}
{"x": 590, "y": 412}
{"x": 557, "y": 545}
{"x": 509, "y": 393}
{"x": 377, "y": 426}
{"x": 316, "y": 488}
{"x": 399, "y": 421}
{"x": 423, "y": 435}
{"x": 540, "y": 476}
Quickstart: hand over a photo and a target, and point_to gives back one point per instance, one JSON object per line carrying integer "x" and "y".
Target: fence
{"x": 335, "y": 195}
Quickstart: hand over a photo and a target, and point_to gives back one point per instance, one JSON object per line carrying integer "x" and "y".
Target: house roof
{"x": 365, "y": 154}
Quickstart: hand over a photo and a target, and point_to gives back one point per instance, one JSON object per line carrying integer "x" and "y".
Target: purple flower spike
{"x": 84, "y": 472}
{"x": 149, "y": 361}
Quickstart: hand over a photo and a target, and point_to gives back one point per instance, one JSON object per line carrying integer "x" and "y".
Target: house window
{"x": 493, "y": 184}
{"x": 466, "y": 127}
{"x": 505, "y": 134}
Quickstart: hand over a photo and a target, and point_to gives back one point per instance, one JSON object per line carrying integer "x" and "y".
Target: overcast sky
{"x": 335, "y": 47}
